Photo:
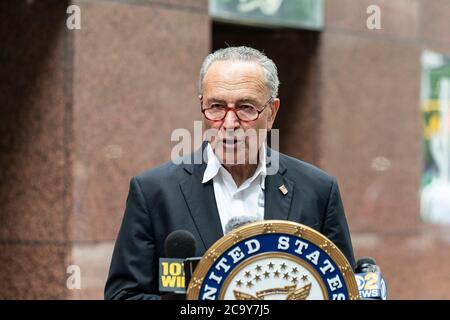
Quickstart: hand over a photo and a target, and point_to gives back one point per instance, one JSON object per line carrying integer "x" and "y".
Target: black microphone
{"x": 239, "y": 221}
{"x": 178, "y": 246}
{"x": 371, "y": 284}
{"x": 366, "y": 264}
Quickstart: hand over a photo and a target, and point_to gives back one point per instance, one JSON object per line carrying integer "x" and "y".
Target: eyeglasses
{"x": 246, "y": 112}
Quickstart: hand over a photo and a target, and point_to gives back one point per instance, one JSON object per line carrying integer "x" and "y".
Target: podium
{"x": 273, "y": 260}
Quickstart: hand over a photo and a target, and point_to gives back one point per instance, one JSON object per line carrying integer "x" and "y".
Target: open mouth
{"x": 231, "y": 141}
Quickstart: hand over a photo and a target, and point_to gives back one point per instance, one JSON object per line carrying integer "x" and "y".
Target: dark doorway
{"x": 295, "y": 54}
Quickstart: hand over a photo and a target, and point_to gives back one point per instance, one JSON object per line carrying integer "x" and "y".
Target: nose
{"x": 231, "y": 120}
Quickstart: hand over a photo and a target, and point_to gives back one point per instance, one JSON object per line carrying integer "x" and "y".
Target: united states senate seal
{"x": 273, "y": 260}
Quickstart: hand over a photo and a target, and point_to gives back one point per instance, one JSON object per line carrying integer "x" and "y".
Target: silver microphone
{"x": 239, "y": 221}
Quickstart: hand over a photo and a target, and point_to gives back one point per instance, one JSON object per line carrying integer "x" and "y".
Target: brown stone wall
{"x": 35, "y": 178}
{"x": 135, "y": 68}
{"x": 134, "y": 82}
{"x": 371, "y": 136}
{"x": 82, "y": 112}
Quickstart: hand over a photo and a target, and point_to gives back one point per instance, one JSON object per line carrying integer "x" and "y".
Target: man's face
{"x": 238, "y": 84}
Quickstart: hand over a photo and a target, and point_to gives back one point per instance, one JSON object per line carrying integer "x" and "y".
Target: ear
{"x": 274, "y": 108}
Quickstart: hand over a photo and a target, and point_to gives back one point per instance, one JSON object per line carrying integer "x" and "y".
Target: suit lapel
{"x": 278, "y": 195}
{"x": 202, "y": 205}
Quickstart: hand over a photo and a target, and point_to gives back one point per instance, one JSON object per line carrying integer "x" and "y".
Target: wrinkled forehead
{"x": 232, "y": 79}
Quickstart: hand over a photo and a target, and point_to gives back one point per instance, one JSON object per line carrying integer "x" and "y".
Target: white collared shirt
{"x": 247, "y": 200}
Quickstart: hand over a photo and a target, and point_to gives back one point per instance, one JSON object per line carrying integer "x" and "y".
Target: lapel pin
{"x": 283, "y": 189}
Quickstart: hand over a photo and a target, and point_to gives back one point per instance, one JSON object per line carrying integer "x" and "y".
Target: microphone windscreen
{"x": 239, "y": 221}
{"x": 363, "y": 263}
{"x": 180, "y": 244}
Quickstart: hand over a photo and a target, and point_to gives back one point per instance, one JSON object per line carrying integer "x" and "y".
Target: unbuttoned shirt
{"x": 233, "y": 201}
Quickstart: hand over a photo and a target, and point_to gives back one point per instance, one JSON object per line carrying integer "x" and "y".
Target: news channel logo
{"x": 171, "y": 275}
{"x": 371, "y": 285}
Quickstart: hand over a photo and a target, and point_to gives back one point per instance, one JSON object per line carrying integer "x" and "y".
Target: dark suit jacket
{"x": 172, "y": 197}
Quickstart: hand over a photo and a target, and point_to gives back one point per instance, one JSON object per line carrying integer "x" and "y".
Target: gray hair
{"x": 243, "y": 54}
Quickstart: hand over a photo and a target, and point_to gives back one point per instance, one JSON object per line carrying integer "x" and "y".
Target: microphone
{"x": 178, "y": 246}
{"x": 366, "y": 264}
{"x": 239, "y": 221}
{"x": 371, "y": 284}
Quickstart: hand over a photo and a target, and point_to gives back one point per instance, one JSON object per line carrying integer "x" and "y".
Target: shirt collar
{"x": 213, "y": 166}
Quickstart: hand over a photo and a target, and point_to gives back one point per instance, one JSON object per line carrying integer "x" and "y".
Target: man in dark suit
{"x": 235, "y": 177}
